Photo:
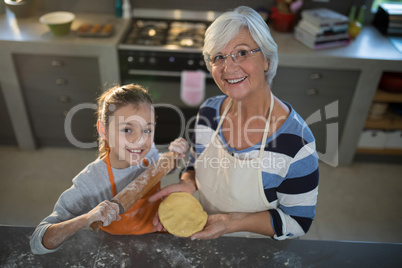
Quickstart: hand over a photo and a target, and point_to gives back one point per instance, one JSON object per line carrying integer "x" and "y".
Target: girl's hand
{"x": 106, "y": 212}
{"x": 57, "y": 233}
{"x": 179, "y": 146}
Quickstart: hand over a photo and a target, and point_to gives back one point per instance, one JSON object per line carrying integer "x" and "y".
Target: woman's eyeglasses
{"x": 237, "y": 57}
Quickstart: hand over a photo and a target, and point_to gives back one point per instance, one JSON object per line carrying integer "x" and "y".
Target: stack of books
{"x": 322, "y": 28}
{"x": 388, "y": 19}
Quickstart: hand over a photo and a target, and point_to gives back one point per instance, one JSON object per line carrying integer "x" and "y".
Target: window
{"x": 376, "y": 3}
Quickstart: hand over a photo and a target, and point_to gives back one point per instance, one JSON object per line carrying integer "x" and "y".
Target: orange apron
{"x": 138, "y": 219}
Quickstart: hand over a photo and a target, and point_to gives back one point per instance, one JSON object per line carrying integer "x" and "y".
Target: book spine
{"x": 332, "y": 20}
{"x": 321, "y": 44}
{"x": 321, "y": 37}
{"x": 322, "y": 30}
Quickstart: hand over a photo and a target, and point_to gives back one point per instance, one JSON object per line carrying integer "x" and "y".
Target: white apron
{"x": 227, "y": 184}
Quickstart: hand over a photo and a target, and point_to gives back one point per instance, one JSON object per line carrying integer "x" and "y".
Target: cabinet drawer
{"x": 326, "y": 79}
{"x": 80, "y": 96}
{"x": 64, "y": 82}
{"x": 49, "y": 126}
{"x": 56, "y": 65}
{"x": 309, "y": 91}
{"x": 51, "y": 86}
{"x": 56, "y": 102}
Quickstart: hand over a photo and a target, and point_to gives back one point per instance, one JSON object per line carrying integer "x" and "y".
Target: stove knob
{"x": 152, "y": 60}
{"x": 130, "y": 58}
{"x": 201, "y": 62}
{"x": 141, "y": 59}
{"x": 190, "y": 62}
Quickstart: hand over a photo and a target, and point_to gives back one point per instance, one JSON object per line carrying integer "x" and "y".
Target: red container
{"x": 283, "y": 22}
{"x": 391, "y": 81}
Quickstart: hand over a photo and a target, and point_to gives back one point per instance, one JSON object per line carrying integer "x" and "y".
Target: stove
{"x": 158, "y": 46}
{"x": 151, "y": 32}
{"x": 147, "y": 32}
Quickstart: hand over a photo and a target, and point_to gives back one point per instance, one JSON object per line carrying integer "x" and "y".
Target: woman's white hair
{"x": 229, "y": 24}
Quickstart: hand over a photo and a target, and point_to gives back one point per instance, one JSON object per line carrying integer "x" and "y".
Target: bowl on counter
{"x": 58, "y": 22}
{"x": 20, "y": 8}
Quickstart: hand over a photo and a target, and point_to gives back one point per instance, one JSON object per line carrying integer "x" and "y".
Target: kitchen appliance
{"x": 157, "y": 48}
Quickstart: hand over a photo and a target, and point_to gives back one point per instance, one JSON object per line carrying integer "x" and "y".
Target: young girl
{"x": 126, "y": 124}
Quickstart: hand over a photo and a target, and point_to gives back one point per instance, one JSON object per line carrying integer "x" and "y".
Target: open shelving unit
{"x": 390, "y": 121}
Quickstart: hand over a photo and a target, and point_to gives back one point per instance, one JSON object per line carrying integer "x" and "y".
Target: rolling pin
{"x": 136, "y": 189}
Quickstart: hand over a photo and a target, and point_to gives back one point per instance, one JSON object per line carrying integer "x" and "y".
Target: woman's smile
{"x": 236, "y": 81}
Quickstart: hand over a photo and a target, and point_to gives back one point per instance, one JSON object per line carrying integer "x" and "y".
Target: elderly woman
{"x": 254, "y": 161}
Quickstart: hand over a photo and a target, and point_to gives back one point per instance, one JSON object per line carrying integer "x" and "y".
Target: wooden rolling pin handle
{"x": 142, "y": 184}
{"x": 97, "y": 224}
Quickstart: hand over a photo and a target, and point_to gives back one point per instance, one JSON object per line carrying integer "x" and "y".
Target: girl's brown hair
{"x": 113, "y": 99}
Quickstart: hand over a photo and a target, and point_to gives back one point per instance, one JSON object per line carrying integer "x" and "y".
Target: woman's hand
{"x": 186, "y": 184}
{"x": 217, "y": 225}
{"x": 220, "y": 224}
{"x": 179, "y": 146}
{"x": 106, "y": 212}
{"x": 173, "y": 188}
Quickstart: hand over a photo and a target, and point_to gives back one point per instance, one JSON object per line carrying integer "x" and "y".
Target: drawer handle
{"x": 312, "y": 91}
{"x": 64, "y": 113}
{"x": 315, "y": 76}
{"x": 64, "y": 99}
{"x": 57, "y": 63}
{"x": 61, "y": 81}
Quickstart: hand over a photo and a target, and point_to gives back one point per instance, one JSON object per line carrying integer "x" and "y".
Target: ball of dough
{"x": 182, "y": 215}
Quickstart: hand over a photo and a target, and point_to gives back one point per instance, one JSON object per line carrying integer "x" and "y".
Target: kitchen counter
{"x": 99, "y": 249}
{"x": 371, "y": 54}
{"x": 29, "y": 36}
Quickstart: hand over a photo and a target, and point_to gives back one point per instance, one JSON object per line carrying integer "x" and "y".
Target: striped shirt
{"x": 289, "y": 167}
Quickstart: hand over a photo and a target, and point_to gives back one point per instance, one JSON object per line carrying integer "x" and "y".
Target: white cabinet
{"x": 7, "y": 136}
{"x": 390, "y": 124}
{"x": 51, "y": 86}
{"x": 321, "y": 96}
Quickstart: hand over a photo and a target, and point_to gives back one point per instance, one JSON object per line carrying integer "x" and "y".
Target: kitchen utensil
{"x": 59, "y": 22}
{"x": 21, "y": 9}
{"x": 283, "y": 22}
{"x": 142, "y": 184}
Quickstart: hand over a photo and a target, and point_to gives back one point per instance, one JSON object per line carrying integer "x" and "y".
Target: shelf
{"x": 386, "y": 151}
{"x": 390, "y": 121}
{"x": 383, "y": 96}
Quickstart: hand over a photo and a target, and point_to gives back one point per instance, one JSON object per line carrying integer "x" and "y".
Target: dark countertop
{"x": 99, "y": 249}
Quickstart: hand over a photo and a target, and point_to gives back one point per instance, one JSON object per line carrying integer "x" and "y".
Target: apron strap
{"x": 109, "y": 170}
{"x": 222, "y": 118}
{"x": 264, "y": 139}
{"x": 267, "y": 124}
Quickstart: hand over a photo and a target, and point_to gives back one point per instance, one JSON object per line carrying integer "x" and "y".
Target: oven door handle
{"x": 159, "y": 73}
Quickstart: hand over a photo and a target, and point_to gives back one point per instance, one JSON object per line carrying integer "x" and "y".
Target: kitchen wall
{"x": 107, "y": 6}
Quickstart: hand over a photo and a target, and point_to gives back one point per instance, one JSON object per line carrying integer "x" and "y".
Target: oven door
{"x": 173, "y": 117}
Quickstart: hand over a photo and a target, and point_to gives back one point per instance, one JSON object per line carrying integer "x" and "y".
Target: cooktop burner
{"x": 151, "y": 32}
